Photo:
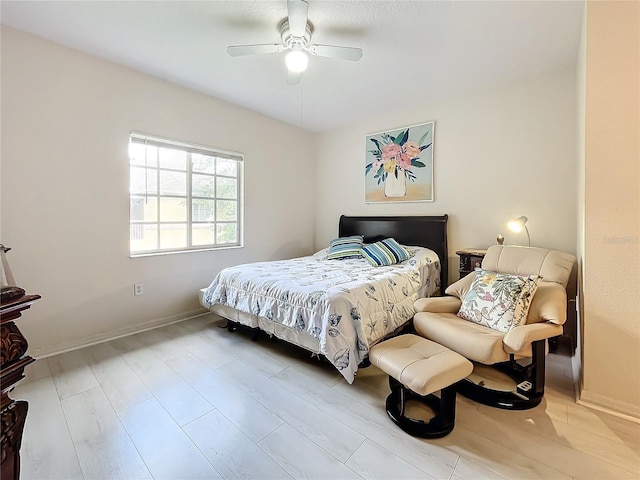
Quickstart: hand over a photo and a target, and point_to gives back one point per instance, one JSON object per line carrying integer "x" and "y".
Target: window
{"x": 182, "y": 197}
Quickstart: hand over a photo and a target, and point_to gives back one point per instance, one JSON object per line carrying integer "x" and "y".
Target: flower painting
{"x": 399, "y": 165}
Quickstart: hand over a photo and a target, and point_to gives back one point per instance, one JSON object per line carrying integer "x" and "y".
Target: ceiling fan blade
{"x": 298, "y": 11}
{"x": 345, "y": 53}
{"x": 239, "y": 50}
{"x": 293, "y": 78}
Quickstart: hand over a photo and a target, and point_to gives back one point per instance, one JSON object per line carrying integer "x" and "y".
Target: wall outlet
{"x": 138, "y": 289}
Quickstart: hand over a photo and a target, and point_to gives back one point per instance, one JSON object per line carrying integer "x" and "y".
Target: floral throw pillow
{"x": 345, "y": 247}
{"x": 498, "y": 300}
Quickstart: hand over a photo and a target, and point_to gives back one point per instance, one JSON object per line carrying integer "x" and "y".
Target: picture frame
{"x": 399, "y": 165}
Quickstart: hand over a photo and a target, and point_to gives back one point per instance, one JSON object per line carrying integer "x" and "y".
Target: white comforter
{"x": 348, "y": 305}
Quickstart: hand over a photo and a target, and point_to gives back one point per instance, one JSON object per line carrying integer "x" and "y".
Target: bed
{"x": 337, "y": 308}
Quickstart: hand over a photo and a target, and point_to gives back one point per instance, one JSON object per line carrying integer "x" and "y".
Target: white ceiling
{"x": 414, "y": 51}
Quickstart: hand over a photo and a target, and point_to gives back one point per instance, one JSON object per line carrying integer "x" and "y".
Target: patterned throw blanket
{"x": 348, "y": 305}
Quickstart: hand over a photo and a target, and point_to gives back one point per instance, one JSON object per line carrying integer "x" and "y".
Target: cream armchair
{"x": 437, "y": 320}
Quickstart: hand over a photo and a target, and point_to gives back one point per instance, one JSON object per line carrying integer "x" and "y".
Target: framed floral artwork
{"x": 399, "y": 165}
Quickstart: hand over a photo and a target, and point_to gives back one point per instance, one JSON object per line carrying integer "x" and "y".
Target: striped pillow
{"x": 385, "y": 252}
{"x": 345, "y": 247}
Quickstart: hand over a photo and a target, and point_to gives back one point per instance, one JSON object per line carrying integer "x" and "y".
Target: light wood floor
{"x": 192, "y": 400}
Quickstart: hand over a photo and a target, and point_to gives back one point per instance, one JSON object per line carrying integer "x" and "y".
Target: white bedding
{"x": 348, "y": 305}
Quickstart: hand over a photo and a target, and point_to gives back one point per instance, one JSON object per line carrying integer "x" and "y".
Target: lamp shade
{"x": 519, "y": 224}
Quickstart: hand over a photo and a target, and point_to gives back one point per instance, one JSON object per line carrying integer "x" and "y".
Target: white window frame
{"x": 149, "y": 140}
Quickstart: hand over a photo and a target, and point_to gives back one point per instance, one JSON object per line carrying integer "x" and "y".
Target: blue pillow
{"x": 385, "y": 252}
{"x": 345, "y": 247}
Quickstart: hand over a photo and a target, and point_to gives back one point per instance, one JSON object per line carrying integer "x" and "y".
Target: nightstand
{"x": 470, "y": 259}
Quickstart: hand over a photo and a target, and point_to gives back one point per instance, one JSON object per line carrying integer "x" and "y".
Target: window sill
{"x": 187, "y": 250}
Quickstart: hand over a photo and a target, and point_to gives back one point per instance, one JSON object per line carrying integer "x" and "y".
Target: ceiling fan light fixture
{"x": 295, "y": 36}
{"x": 296, "y": 61}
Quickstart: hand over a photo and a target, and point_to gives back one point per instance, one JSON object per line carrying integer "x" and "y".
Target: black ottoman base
{"x": 444, "y": 408}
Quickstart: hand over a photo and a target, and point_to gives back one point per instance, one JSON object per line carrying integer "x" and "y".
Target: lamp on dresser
{"x": 13, "y": 360}
{"x": 519, "y": 224}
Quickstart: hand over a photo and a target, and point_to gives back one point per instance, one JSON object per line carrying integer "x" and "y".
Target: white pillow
{"x": 321, "y": 255}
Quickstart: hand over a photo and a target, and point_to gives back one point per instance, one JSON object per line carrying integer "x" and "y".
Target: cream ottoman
{"x": 417, "y": 368}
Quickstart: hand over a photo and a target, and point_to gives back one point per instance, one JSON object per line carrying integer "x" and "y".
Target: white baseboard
{"x": 598, "y": 402}
{"x": 114, "y": 334}
{"x": 608, "y": 405}
{"x": 576, "y": 370}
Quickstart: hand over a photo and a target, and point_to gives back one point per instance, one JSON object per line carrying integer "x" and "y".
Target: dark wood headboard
{"x": 422, "y": 231}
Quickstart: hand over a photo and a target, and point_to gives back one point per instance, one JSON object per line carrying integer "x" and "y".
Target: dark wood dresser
{"x": 13, "y": 360}
{"x": 470, "y": 259}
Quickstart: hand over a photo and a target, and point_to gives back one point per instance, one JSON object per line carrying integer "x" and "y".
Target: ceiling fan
{"x": 295, "y": 31}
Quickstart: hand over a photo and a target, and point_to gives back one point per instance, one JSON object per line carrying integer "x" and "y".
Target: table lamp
{"x": 518, "y": 224}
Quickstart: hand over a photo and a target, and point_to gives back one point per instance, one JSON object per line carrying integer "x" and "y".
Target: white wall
{"x": 498, "y": 155}
{"x": 611, "y": 256}
{"x": 66, "y": 118}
